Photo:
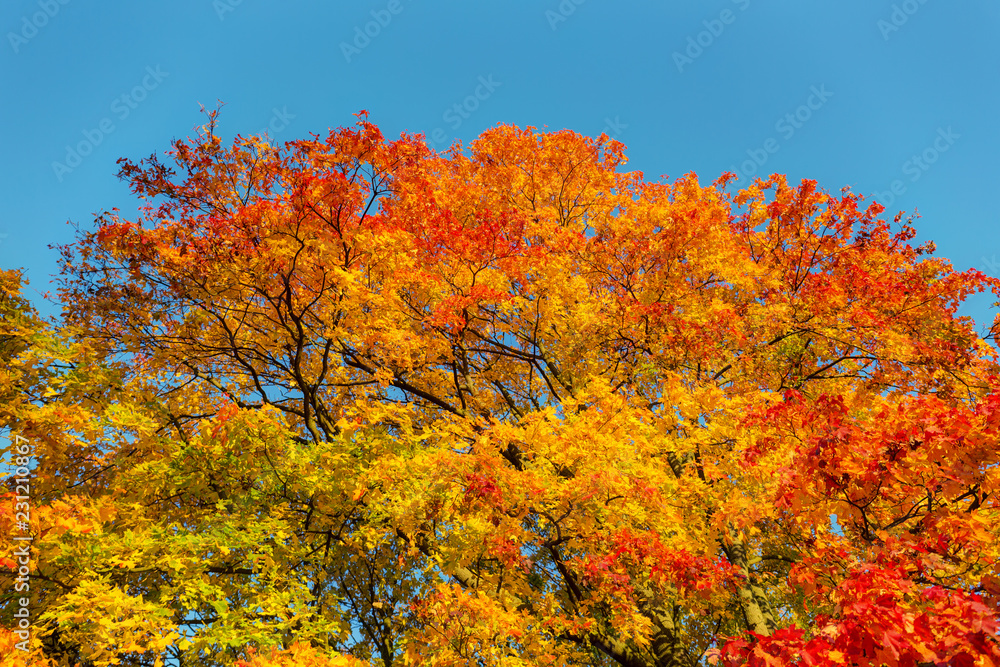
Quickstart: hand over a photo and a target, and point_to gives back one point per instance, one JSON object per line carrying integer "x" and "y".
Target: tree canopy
{"x": 349, "y": 401}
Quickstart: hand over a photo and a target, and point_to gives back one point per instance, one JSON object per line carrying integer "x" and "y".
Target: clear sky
{"x": 871, "y": 94}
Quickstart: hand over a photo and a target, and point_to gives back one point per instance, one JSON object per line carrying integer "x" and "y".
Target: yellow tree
{"x": 514, "y": 405}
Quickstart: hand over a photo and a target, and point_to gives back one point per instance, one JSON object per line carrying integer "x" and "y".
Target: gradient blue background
{"x": 590, "y": 66}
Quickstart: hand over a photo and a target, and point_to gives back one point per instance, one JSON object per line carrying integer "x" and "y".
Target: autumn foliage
{"x": 348, "y": 401}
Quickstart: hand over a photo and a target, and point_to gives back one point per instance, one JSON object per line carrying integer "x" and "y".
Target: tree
{"x": 514, "y": 405}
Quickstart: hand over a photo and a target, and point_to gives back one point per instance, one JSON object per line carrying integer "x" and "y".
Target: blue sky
{"x": 872, "y": 94}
